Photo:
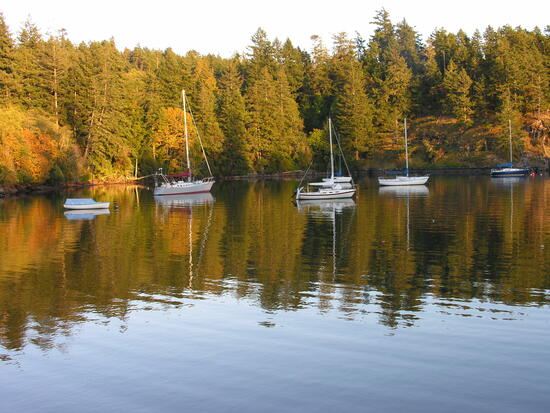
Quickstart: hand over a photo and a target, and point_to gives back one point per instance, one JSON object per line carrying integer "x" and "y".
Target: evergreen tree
{"x": 317, "y": 95}
{"x": 97, "y": 109}
{"x": 30, "y": 74}
{"x": 231, "y": 114}
{"x": 58, "y": 53}
{"x": 457, "y": 85}
{"x": 7, "y": 82}
{"x": 293, "y": 63}
{"x": 261, "y": 55}
{"x": 172, "y": 76}
{"x": 410, "y": 47}
{"x": 353, "y": 109}
{"x": 203, "y": 104}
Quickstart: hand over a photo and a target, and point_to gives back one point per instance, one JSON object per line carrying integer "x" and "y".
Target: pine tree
{"x": 457, "y": 85}
{"x": 7, "y": 81}
{"x": 261, "y": 55}
{"x": 293, "y": 64}
{"x": 31, "y": 76}
{"x": 352, "y": 108}
{"x": 203, "y": 104}
{"x": 97, "y": 108}
{"x": 58, "y": 53}
{"x": 231, "y": 114}
{"x": 317, "y": 96}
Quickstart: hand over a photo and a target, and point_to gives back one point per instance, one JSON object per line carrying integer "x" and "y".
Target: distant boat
{"x": 405, "y": 179}
{"x": 508, "y": 169}
{"x": 183, "y": 184}
{"x": 330, "y": 188}
{"x": 84, "y": 203}
{"x": 344, "y": 181}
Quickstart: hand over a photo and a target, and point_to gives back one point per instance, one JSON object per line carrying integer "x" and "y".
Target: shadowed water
{"x": 431, "y": 298}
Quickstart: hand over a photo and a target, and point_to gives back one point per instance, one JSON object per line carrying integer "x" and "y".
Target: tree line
{"x": 90, "y": 111}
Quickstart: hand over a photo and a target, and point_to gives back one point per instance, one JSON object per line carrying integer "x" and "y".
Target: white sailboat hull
{"x": 404, "y": 180}
{"x": 183, "y": 188}
{"x": 332, "y": 193}
{"x": 91, "y": 205}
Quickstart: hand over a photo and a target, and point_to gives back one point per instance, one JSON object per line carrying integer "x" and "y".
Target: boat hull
{"x": 97, "y": 205}
{"x": 326, "y": 194}
{"x": 183, "y": 188}
{"x": 509, "y": 172}
{"x": 404, "y": 180}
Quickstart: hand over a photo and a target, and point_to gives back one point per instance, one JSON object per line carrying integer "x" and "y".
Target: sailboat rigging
{"x": 331, "y": 188}
{"x": 508, "y": 169}
{"x": 405, "y": 179}
{"x": 183, "y": 184}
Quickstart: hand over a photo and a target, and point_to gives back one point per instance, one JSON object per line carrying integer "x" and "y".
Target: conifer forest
{"x": 91, "y": 112}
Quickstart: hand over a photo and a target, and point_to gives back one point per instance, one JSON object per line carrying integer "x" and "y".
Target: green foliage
{"x": 56, "y": 176}
{"x": 457, "y": 85}
{"x": 70, "y": 112}
{"x": 8, "y": 177}
{"x": 231, "y": 114}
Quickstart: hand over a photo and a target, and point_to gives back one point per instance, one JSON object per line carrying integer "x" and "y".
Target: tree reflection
{"x": 388, "y": 253}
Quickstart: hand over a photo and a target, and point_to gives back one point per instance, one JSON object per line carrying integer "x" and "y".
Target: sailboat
{"x": 405, "y": 179}
{"x": 330, "y": 189}
{"x": 508, "y": 169}
{"x": 183, "y": 184}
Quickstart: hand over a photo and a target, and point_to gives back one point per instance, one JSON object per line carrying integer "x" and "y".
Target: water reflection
{"x": 85, "y": 214}
{"x": 398, "y": 254}
{"x": 185, "y": 200}
{"x": 404, "y": 191}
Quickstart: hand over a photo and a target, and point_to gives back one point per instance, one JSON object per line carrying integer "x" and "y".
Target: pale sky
{"x": 225, "y": 27}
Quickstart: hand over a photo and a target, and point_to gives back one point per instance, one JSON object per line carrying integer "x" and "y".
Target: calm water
{"x": 430, "y": 299}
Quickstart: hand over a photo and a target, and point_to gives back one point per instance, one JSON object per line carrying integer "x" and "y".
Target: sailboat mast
{"x": 406, "y": 148}
{"x": 510, "y": 137}
{"x": 185, "y": 133}
{"x": 331, "y": 154}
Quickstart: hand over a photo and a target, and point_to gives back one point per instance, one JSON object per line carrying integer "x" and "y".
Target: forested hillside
{"x": 73, "y": 113}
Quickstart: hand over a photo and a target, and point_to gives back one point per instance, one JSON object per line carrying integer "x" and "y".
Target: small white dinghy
{"x": 84, "y": 203}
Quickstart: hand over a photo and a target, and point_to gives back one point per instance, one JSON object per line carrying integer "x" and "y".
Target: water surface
{"x": 428, "y": 299}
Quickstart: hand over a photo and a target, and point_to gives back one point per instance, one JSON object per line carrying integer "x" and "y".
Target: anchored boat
{"x": 405, "y": 179}
{"x": 183, "y": 184}
{"x": 508, "y": 170}
{"x": 84, "y": 203}
{"x": 331, "y": 188}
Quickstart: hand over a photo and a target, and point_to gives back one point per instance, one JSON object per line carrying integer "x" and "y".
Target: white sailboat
{"x": 332, "y": 189}
{"x": 405, "y": 179}
{"x": 508, "y": 169}
{"x": 183, "y": 184}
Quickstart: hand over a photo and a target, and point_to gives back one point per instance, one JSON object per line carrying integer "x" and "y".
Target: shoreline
{"x": 17, "y": 190}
